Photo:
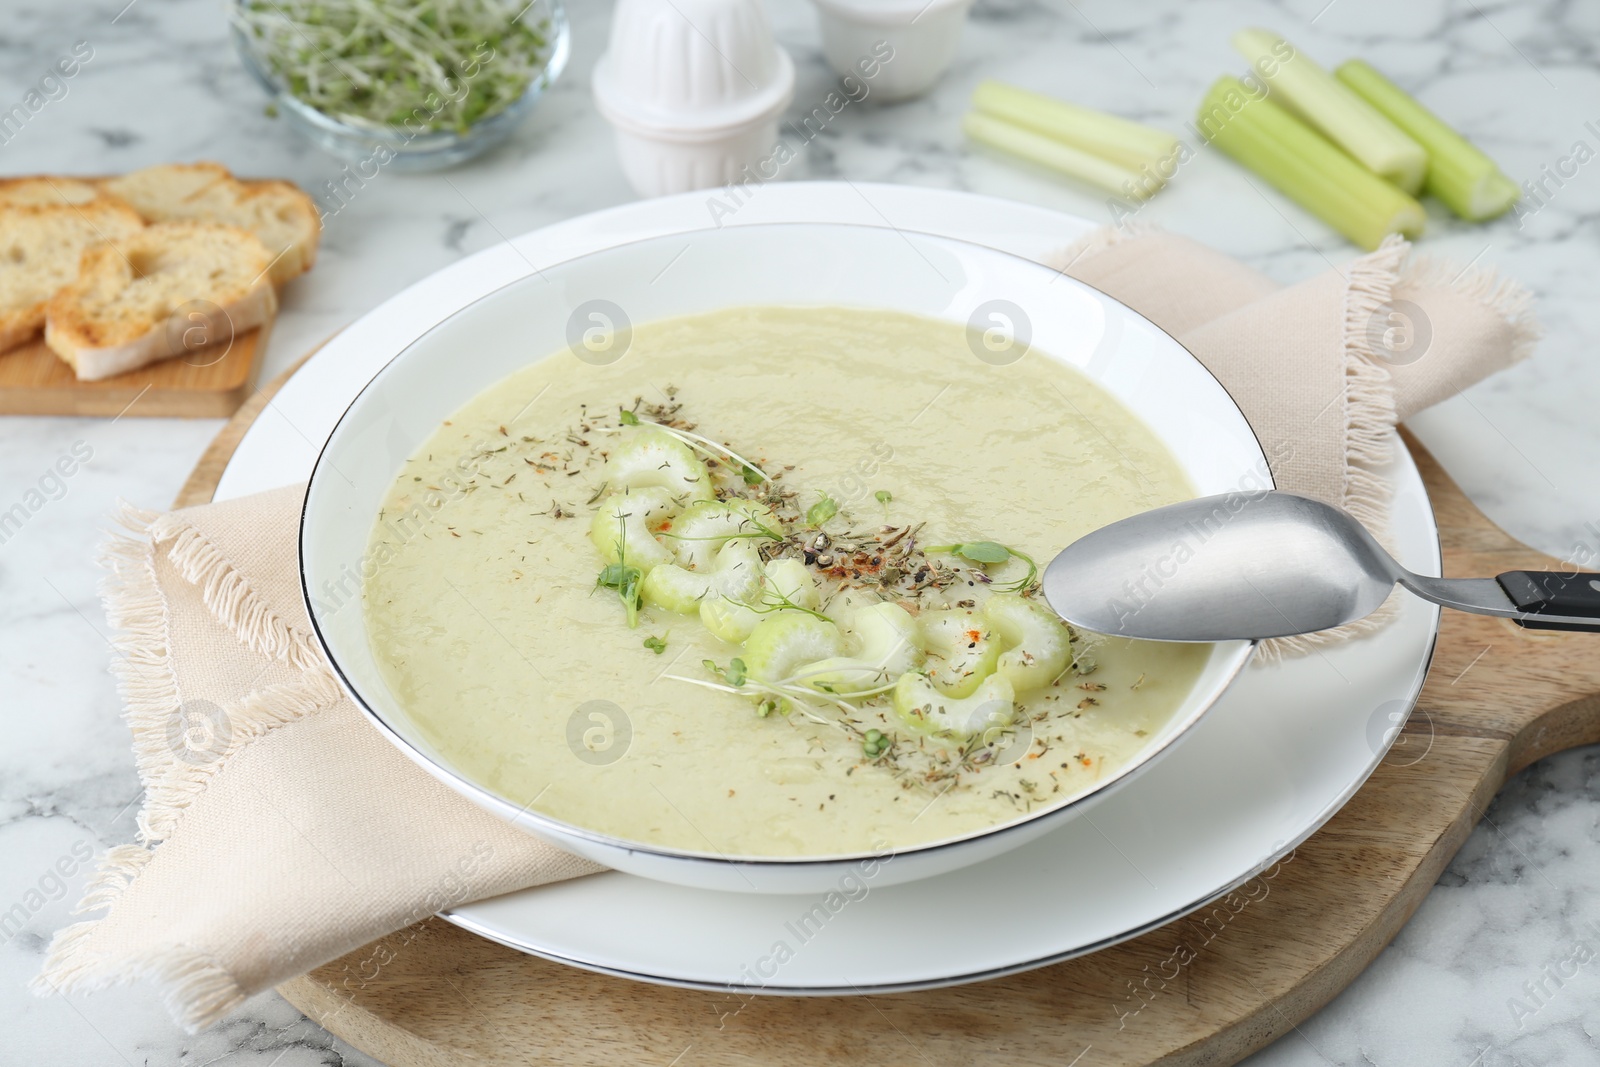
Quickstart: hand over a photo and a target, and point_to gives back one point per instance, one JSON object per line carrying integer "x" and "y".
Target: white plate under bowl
{"x": 552, "y": 314}
{"x": 1279, "y": 754}
{"x": 1276, "y": 756}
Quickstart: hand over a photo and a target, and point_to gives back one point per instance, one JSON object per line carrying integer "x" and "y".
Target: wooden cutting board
{"x": 1208, "y": 989}
{"x": 209, "y": 382}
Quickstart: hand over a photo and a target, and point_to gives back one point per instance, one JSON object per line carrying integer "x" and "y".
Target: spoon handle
{"x": 1573, "y": 597}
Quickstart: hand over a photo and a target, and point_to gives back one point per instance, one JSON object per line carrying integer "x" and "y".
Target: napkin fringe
{"x": 229, "y": 597}
{"x": 134, "y": 605}
{"x": 195, "y": 989}
{"x": 1369, "y": 399}
{"x": 119, "y": 866}
{"x": 1369, "y": 429}
{"x": 247, "y": 719}
{"x": 1486, "y": 287}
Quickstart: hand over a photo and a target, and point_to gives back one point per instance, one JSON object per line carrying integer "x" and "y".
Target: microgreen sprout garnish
{"x": 733, "y": 673}
{"x": 782, "y": 695}
{"x": 883, "y": 496}
{"x": 627, "y": 418}
{"x": 736, "y": 674}
{"x": 774, "y": 600}
{"x": 988, "y": 552}
{"x": 824, "y": 509}
{"x": 421, "y": 64}
{"x": 625, "y": 580}
{"x": 976, "y": 551}
{"x": 752, "y": 476}
{"x": 924, "y": 766}
{"x": 655, "y": 644}
{"x": 779, "y": 700}
{"x": 876, "y": 743}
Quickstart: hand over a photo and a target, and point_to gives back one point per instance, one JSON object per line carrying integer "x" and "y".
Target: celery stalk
{"x": 1107, "y": 136}
{"x": 1334, "y": 109}
{"x": 1305, "y": 167}
{"x": 1459, "y": 174}
{"x": 1048, "y": 152}
{"x": 1500, "y": 185}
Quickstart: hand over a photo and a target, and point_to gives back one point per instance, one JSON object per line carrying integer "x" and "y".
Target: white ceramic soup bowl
{"x": 583, "y": 310}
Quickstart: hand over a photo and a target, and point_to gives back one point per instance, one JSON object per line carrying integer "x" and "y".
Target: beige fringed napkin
{"x": 280, "y": 831}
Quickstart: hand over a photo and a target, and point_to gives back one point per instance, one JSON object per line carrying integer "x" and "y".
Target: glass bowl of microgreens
{"x": 406, "y": 84}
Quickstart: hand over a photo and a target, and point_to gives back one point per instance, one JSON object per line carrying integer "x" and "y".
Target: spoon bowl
{"x": 1254, "y": 565}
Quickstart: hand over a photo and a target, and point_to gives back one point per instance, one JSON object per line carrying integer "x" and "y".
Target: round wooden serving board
{"x": 1207, "y": 989}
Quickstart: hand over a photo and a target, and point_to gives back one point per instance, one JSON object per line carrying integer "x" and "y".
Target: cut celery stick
{"x": 1332, "y": 108}
{"x": 1458, "y": 173}
{"x": 1108, "y": 136}
{"x": 1063, "y": 158}
{"x": 1305, "y": 167}
{"x": 1504, "y": 186}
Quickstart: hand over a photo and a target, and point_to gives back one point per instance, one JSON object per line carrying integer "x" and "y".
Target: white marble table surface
{"x": 1522, "y": 78}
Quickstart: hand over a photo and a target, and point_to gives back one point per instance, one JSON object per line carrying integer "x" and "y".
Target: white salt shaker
{"x": 920, "y": 37}
{"x": 694, "y": 89}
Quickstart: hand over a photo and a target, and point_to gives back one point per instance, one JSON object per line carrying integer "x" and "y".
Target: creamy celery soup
{"x": 767, "y": 586}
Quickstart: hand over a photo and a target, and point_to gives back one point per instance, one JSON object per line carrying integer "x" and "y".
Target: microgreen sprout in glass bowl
{"x": 410, "y": 84}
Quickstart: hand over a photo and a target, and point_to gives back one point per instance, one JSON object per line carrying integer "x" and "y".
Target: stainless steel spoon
{"x": 1270, "y": 564}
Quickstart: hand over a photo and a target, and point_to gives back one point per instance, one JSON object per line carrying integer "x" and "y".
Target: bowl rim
{"x": 548, "y": 827}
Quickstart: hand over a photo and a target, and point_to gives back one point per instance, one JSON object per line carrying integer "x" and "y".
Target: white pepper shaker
{"x": 694, "y": 90}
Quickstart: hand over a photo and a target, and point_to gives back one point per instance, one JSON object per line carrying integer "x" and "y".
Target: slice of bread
{"x": 49, "y": 190}
{"x": 40, "y": 249}
{"x": 164, "y": 192}
{"x": 171, "y": 288}
{"x": 282, "y": 216}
